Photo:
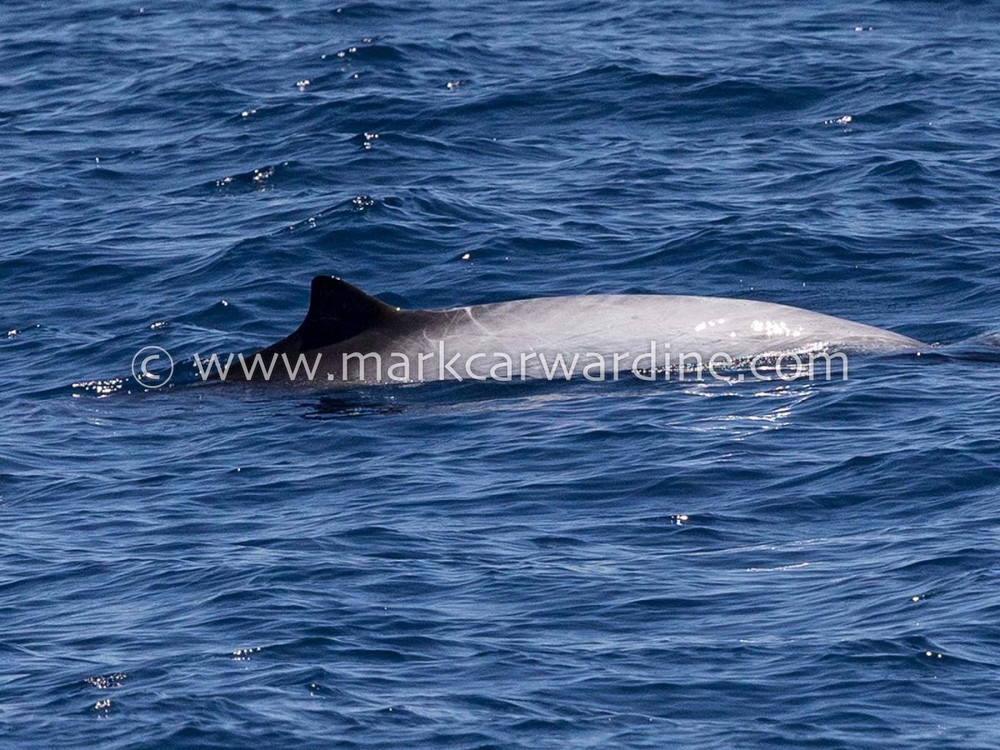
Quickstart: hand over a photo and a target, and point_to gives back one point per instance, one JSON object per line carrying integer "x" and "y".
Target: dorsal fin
{"x": 337, "y": 312}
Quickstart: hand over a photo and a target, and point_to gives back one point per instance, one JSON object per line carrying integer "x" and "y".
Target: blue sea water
{"x": 621, "y": 564}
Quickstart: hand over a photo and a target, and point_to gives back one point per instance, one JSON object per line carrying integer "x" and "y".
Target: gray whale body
{"x": 351, "y": 332}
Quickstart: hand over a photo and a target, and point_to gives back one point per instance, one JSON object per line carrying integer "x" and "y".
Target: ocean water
{"x": 575, "y": 565}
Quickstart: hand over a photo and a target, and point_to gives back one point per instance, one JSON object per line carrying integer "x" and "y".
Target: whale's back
{"x": 343, "y": 321}
{"x": 617, "y": 323}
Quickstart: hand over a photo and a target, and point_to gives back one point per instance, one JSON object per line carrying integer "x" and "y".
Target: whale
{"x": 351, "y": 337}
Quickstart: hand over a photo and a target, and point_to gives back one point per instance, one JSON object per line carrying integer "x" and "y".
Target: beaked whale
{"x": 362, "y": 340}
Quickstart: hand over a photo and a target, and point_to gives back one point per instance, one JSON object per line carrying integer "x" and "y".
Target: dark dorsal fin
{"x": 337, "y": 312}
